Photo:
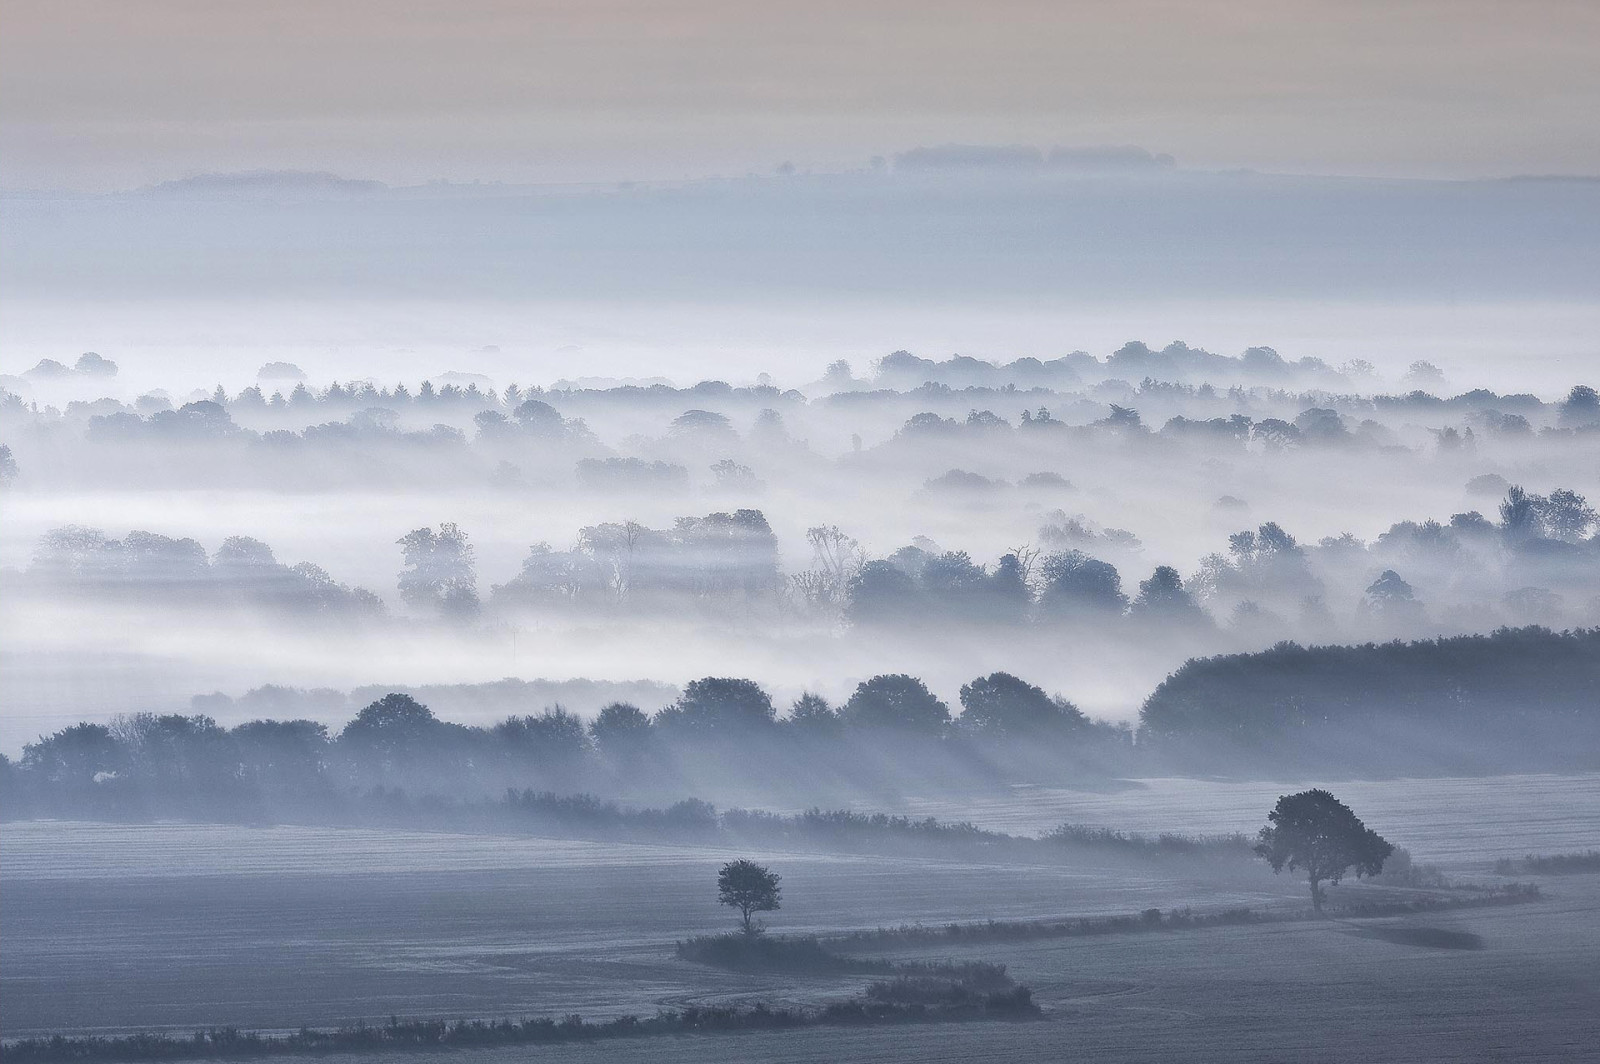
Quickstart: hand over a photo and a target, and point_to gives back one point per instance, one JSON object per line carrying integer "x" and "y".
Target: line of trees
{"x": 1527, "y": 567}
{"x": 1525, "y": 698}
{"x": 721, "y": 728}
{"x": 142, "y": 566}
{"x": 1519, "y": 699}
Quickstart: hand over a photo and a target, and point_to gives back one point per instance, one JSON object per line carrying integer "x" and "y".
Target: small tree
{"x": 751, "y": 889}
{"x": 1315, "y": 831}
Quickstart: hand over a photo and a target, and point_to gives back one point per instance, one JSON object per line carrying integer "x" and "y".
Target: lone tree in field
{"x": 1315, "y": 831}
{"x": 750, "y": 888}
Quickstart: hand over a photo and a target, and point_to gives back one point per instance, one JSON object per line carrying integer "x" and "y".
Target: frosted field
{"x": 1234, "y": 995}
{"x": 110, "y": 928}
{"x": 107, "y": 928}
{"x": 1445, "y": 821}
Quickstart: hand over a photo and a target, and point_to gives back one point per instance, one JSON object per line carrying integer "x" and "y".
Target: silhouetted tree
{"x": 391, "y": 732}
{"x": 812, "y": 716}
{"x": 1077, "y": 585}
{"x": 1162, "y": 597}
{"x": 721, "y": 705}
{"x": 75, "y": 756}
{"x": 750, "y": 888}
{"x": 897, "y": 702}
{"x": 1566, "y": 515}
{"x": 553, "y": 737}
{"x": 1580, "y": 408}
{"x": 1520, "y": 520}
{"x": 1000, "y": 704}
{"x": 1315, "y": 831}
{"x": 1008, "y": 597}
{"x": 1391, "y": 598}
{"x": 881, "y": 593}
{"x": 621, "y": 730}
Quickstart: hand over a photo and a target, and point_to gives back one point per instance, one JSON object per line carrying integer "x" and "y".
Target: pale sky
{"x": 107, "y": 94}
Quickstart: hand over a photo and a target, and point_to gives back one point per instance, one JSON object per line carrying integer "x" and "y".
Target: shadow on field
{"x": 1431, "y": 937}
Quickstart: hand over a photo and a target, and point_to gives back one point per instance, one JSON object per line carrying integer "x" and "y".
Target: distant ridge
{"x": 266, "y": 182}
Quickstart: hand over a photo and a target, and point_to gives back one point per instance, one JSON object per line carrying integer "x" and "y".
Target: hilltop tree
{"x": 1315, "y": 831}
{"x": 750, "y": 888}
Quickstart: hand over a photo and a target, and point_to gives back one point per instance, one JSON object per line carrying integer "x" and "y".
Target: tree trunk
{"x": 1316, "y": 898}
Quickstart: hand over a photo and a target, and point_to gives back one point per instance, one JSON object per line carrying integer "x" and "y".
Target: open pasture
{"x": 1458, "y": 822}
{"x": 182, "y": 926}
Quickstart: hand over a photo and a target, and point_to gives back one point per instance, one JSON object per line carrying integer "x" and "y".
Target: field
{"x": 182, "y": 926}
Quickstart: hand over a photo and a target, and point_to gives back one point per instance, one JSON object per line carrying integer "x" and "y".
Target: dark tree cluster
{"x": 1518, "y": 699}
{"x": 916, "y": 586}
{"x": 721, "y": 727}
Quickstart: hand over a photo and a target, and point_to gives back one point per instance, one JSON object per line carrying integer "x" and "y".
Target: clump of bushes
{"x": 773, "y": 953}
{"x": 917, "y": 935}
{"x": 1556, "y": 864}
{"x": 1165, "y": 844}
{"x": 918, "y": 989}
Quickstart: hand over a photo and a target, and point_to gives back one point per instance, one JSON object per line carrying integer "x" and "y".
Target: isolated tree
{"x": 1315, "y": 831}
{"x": 750, "y": 888}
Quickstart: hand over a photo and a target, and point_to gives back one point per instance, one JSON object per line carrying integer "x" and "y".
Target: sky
{"x": 98, "y": 95}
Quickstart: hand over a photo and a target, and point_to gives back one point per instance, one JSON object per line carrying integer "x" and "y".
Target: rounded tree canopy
{"x": 896, "y": 701}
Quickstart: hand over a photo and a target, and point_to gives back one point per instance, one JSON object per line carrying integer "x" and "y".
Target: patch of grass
{"x": 964, "y": 989}
{"x": 1165, "y": 844}
{"x": 773, "y": 953}
{"x": 1009, "y": 1002}
{"x": 1149, "y": 920}
{"x": 1556, "y": 864}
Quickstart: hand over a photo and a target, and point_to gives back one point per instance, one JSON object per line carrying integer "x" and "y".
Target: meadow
{"x": 182, "y": 926}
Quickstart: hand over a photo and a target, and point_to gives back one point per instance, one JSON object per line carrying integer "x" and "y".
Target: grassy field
{"x": 1447, "y": 820}
{"x": 108, "y": 929}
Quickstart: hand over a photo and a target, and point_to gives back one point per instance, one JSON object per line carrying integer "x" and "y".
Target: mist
{"x": 844, "y": 533}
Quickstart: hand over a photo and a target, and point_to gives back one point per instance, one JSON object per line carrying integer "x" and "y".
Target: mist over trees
{"x": 1095, "y": 521}
{"x": 1516, "y": 700}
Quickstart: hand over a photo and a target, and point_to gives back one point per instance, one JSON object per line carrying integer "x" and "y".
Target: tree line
{"x": 1519, "y": 699}
{"x": 1514, "y": 699}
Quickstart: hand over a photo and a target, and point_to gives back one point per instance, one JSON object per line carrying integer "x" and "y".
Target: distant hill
{"x": 266, "y": 183}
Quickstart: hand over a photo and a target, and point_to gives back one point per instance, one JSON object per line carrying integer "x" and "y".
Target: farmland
{"x": 180, "y": 926}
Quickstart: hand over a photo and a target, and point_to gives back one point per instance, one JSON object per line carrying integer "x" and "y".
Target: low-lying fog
{"x": 660, "y": 534}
